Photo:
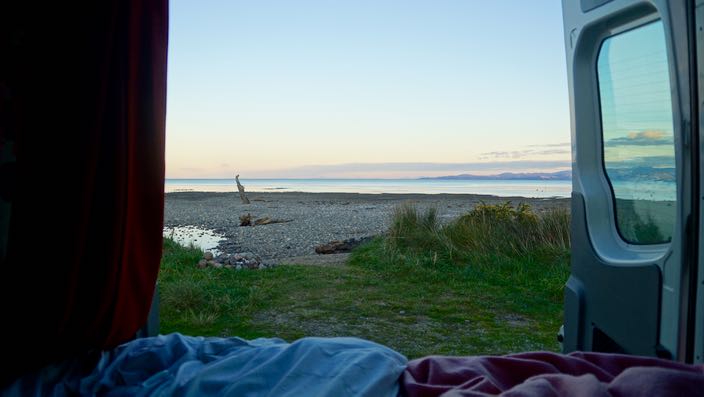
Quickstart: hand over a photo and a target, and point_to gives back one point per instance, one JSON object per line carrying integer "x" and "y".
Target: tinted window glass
{"x": 637, "y": 127}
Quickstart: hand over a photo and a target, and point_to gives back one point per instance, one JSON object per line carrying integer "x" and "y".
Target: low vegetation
{"x": 489, "y": 282}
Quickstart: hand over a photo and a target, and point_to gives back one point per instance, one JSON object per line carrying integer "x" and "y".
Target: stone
{"x": 202, "y": 264}
{"x": 238, "y": 267}
{"x": 214, "y": 264}
{"x": 208, "y": 256}
{"x": 244, "y": 256}
{"x": 251, "y": 264}
{"x": 229, "y": 266}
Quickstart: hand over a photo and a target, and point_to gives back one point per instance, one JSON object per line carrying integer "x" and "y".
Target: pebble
{"x": 236, "y": 261}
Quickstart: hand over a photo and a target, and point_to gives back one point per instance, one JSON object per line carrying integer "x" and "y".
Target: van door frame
{"x": 587, "y": 24}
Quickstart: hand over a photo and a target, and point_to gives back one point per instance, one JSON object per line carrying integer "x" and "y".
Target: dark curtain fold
{"x": 83, "y": 89}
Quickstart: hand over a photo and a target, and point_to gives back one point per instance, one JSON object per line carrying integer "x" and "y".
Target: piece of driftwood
{"x": 243, "y": 196}
{"x": 267, "y": 221}
{"x": 246, "y": 220}
{"x": 337, "y": 246}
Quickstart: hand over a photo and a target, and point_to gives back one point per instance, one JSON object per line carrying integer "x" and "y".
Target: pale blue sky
{"x": 301, "y": 88}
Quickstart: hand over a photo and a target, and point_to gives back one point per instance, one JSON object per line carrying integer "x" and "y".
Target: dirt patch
{"x": 317, "y": 260}
{"x": 513, "y": 320}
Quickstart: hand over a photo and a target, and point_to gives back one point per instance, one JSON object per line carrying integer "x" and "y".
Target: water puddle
{"x": 204, "y": 239}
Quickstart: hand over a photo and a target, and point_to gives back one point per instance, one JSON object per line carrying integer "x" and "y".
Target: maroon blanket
{"x": 551, "y": 374}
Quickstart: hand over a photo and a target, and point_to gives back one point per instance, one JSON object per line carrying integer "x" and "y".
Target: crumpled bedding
{"x": 178, "y": 365}
{"x": 549, "y": 374}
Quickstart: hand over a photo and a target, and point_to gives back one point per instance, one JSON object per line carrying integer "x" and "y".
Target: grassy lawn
{"x": 424, "y": 289}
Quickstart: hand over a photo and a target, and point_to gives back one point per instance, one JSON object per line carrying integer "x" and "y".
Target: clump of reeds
{"x": 411, "y": 228}
{"x": 488, "y": 229}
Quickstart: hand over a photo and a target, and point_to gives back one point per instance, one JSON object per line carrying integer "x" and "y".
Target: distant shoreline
{"x": 508, "y": 188}
{"x": 420, "y": 178}
{"x": 360, "y": 196}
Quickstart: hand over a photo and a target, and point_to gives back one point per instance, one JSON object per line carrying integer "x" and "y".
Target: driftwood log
{"x": 243, "y": 196}
{"x": 246, "y": 220}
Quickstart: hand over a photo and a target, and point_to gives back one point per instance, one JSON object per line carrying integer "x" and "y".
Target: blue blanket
{"x": 177, "y": 365}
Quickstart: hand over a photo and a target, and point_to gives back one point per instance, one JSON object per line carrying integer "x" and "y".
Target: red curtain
{"x": 83, "y": 91}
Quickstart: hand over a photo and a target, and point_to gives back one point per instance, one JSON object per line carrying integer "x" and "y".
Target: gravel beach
{"x": 311, "y": 218}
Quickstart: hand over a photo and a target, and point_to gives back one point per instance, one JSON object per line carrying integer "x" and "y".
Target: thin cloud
{"x": 518, "y": 154}
{"x": 563, "y": 144}
{"x": 503, "y": 155}
{"x": 412, "y": 168}
{"x": 642, "y": 138}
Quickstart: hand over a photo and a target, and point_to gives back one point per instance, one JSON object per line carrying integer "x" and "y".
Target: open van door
{"x": 632, "y": 72}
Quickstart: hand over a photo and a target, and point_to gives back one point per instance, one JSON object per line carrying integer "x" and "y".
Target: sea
{"x": 502, "y": 188}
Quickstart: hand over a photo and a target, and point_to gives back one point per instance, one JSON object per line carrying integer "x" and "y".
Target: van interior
{"x": 82, "y": 121}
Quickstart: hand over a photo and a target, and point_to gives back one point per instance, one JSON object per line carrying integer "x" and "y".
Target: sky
{"x": 365, "y": 88}
{"x": 636, "y": 105}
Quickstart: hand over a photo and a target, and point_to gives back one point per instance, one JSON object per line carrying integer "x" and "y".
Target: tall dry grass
{"x": 498, "y": 229}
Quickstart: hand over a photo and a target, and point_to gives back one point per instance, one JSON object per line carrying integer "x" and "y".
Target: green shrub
{"x": 498, "y": 229}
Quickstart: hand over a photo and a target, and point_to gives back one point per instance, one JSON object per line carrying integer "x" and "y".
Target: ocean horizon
{"x": 502, "y": 188}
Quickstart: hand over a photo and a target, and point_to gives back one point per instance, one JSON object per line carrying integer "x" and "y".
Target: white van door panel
{"x": 630, "y": 72}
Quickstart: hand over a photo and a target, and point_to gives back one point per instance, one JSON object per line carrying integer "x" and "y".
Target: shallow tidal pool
{"x": 205, "y": 239}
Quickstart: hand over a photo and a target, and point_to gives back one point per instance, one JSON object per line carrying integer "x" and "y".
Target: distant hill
{"x": 541, "y": 176}
{"x": 662, "y": 174}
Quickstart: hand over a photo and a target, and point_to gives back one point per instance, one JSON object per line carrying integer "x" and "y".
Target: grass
{"x": 489, "y": 282}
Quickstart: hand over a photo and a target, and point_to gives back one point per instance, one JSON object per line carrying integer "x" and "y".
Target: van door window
{"x": 637, "y": 132}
